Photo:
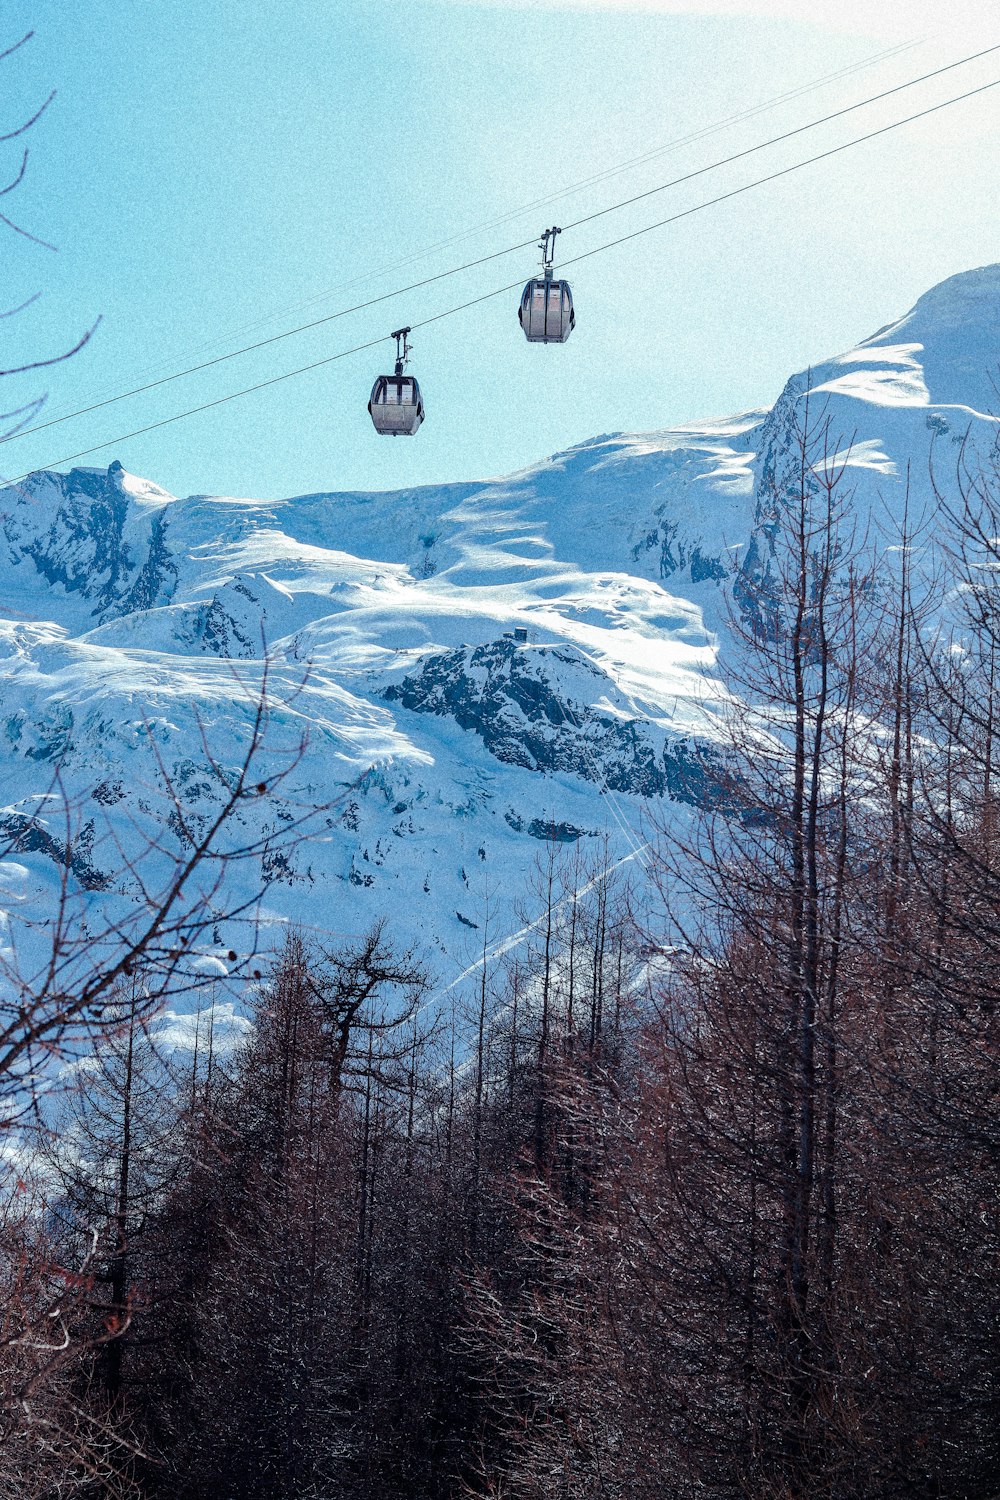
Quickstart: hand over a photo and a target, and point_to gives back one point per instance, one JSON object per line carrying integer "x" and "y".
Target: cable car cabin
{"x": 396, "y": 406}
{"x": 546, "y": 311}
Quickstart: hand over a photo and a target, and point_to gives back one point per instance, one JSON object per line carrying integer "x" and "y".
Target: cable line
{"x": 686, "y": 140}
{"x": 511, "y": 286}
{"x": 516, "y": 213}
{"x": 508, "y": 250}
{"x": 859, "y": 140}
{"x": 786, "y": 136}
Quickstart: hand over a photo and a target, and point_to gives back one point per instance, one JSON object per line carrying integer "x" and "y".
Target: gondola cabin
{"x": 396, "y": 405}
{"x": 546, "y": 311}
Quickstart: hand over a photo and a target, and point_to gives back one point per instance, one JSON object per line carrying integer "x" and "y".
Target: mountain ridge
{"x": 134, "y": 618}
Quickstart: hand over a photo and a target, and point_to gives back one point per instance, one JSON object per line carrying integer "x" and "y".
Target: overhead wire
{"x": 686, "y": 140}
{"x": 785, "y": 136}
{"x": 510, "y": 286}
{"x": 809, "y": 161}
{"x": 507, "y": 250}
{"x": 654, "y": 153}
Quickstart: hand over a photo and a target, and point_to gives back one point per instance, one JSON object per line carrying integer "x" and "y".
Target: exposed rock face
{"x": 521, "y": 702}
{"x": 231, "y": 624}
{"x": 85, "y": 534}
{"x": 675, "y": 555}
{"x": 28, "y": 835}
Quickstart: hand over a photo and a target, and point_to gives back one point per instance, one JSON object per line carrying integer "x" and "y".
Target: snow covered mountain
{"x": 478, "y": 667}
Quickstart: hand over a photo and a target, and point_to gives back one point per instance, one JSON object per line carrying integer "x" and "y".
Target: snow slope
{"x": 134, "y": 625}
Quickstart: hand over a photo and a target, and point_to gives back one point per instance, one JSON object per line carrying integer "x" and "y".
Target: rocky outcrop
{"x": 86, "y": 535}
{"x": 521, "y": 702}
{"x": 23, "y": 835}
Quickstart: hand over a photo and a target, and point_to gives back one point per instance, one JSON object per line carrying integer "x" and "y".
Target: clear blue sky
{"x": 207, "y": 170}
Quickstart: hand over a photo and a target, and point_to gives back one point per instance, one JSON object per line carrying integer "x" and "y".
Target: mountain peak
{"x": 952, "y": 336}
{"x": 968, "y": 297}
{"x": 944, "y": 352}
